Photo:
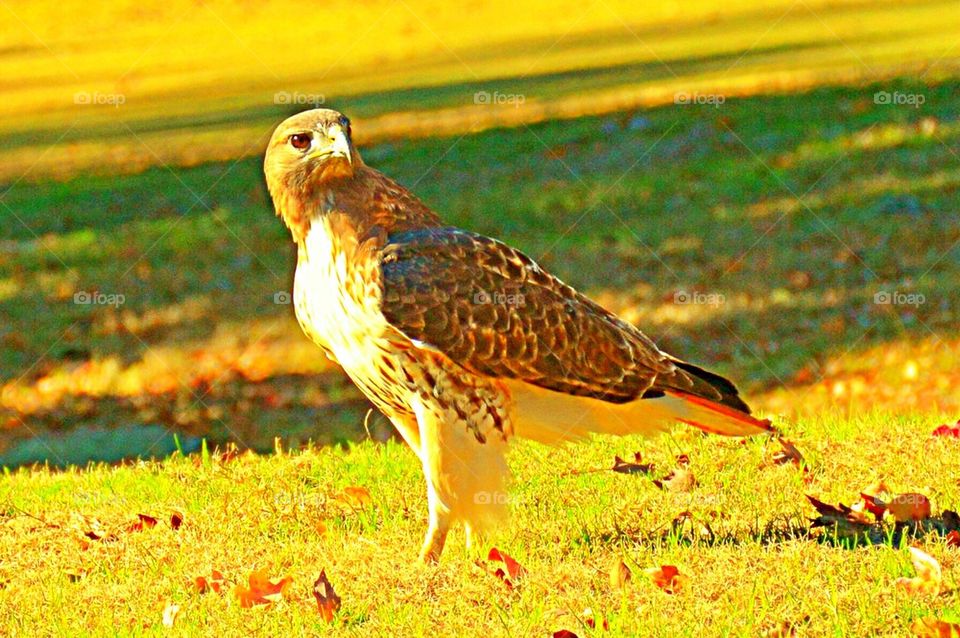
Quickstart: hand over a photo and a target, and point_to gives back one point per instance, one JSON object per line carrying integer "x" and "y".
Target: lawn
{"x": 790, "y": 221}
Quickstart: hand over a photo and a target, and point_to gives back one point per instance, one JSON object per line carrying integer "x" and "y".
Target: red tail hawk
{"x": 462, "y": 341}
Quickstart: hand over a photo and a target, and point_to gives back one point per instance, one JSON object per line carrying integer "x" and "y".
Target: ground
{"x": 769, "y": 192}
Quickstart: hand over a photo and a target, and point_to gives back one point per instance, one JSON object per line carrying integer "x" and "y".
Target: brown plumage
{"x": 462, "y": 341}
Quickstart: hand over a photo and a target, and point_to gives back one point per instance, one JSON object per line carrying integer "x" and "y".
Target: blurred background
{"x": 766, "y": 188}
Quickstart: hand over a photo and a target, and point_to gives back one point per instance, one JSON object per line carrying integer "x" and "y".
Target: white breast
{"x": 347, "y": 325}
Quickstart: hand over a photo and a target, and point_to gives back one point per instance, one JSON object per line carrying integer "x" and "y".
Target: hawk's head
{"x": 310, "y": 148}
{"x": 308, "y": 153}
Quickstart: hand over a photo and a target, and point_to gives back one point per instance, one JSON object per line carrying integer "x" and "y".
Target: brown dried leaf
{"x": 328, "y": 603}
{"x": 176, "y": 520}
{"x": 789, "y": 454}
{"x": 845, "y": 518}
{"x": 261, "y": 589}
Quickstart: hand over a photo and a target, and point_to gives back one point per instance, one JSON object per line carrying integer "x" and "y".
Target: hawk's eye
{"x": 301, "y": 141}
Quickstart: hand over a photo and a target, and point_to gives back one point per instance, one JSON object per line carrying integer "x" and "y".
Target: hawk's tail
{"x": 554, "y": 417}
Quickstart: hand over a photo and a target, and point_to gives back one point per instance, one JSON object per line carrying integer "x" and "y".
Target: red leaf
{"x": 948, "y": 431}
{"x": 953, "y": 539}
{"x": 176, "y": 520}
{"x": 564, "y": 633}
{"x": 514, "y": 570}
{"x": 873, "y": 505}
{"x": 668, "y": 578}
{"x": 214, "y": 583}
{"x": 143, "y": 522}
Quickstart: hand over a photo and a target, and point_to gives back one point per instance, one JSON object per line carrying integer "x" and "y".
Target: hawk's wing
{"x": 495, "y": 312}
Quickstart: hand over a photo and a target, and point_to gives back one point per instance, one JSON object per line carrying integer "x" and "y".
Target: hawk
{"x": 460, "y": 340}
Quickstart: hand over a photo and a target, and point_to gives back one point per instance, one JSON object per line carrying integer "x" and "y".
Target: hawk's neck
{"x": 372, "y": 203}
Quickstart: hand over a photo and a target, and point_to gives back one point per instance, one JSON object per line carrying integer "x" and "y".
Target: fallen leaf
{"x": 213, "y": 583}
{"x": 668, "y": 578}
{"x": 840, "y": 516}
{"x": 619, "y": 574}
{"x": 358, "y": 495}
{"x": 874, "y": 505}
{"x": 789, "y": 454}
{"x": 261, "y": 589}
{"x": 176, "y": 520}
{"x": 679, "y": 480}
{"x": 511, "y": 572}
{"x": 933, "y": 628}
{"x": 952, "y": 431}
{"x": 953, "y": 539}
{"x": 328, "y": 603}
{"x": 929, "y": 575}
{"x": 564, "y": 633}
{"x": 143, "y": 522}
{"x": 626, "y": 467}
{"x": 909, "y": 507}
{"x": 170, "y": 614}
{"x": 90, "y": 528}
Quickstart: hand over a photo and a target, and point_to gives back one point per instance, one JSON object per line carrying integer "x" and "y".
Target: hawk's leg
{"x": 431, "y": 455}
{"x": 465, "y": 475}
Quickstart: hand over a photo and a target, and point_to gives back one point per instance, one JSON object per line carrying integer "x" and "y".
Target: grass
{"x": 785, "y": 285}
{"x": 786, "y": 214}
{"x": 567, "y": 530}
{"x": 202, "y": 83}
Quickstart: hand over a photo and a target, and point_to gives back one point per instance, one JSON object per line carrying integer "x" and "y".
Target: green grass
{"x": 567, "y": 530}
{"x": 633, "y": 208}
{"x": 200, "y": 84}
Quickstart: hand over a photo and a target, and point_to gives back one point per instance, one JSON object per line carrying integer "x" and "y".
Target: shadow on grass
{"x": 759, "y": 238}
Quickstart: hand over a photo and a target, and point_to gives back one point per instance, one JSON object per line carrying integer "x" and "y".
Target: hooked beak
{"x": 337, "y": 146}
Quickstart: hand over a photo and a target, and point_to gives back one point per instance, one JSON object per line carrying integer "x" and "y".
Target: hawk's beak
{"x": 338, "y": 146}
